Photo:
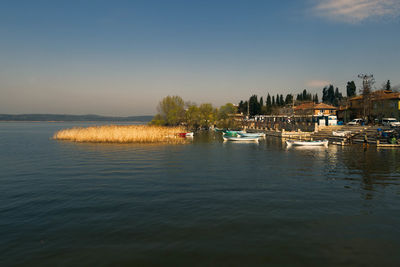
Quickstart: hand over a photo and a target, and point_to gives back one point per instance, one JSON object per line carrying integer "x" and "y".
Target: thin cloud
{"x": 355, "y": 11}
{"x": 317, "y": 83}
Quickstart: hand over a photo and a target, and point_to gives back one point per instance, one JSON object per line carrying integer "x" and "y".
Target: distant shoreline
{"x": 74, "y": 121}
{"x": 70, "y": 118}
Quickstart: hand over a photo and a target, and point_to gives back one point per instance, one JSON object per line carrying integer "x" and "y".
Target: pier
{"x": 304, "y": 129}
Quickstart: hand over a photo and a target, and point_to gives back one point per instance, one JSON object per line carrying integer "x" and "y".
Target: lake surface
{"x": 206, "y": 203}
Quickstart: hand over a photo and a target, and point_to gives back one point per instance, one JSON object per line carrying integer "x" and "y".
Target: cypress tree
{"x": 331, "y": 94}
{"x": 281, "y": 101}
{"x": 289, "y": 99}
{"x": 240, "y": 108}
{"x": 316, "y": 98}
{"x": 351, "y": 89}
{"x": 388, "y": 87}
{"x": 305, "y": 95}
{"x": 269, "y": 104}
{"x": 325, "y": 95}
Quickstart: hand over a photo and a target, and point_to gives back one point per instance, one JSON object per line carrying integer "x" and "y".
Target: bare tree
{"x": 366, "y": 90}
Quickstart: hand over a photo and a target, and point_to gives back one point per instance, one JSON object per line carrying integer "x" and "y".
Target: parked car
{"x": 392, "y": 122}
{"x": 356, "y": 122}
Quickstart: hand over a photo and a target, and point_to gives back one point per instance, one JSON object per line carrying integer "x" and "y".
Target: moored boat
{"x": 240, "y": 139}
{"x": 185, "y": 134}
{"x": 341, "y": 133}
{"x": 307, "y": 143}
{"x": 252, "y": 134}
{"x": 231, "y": 132}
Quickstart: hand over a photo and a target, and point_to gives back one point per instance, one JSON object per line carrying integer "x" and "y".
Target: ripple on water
{"x": 208, "y": 202}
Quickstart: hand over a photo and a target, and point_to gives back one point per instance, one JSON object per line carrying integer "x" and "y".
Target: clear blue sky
{"x": 122, "y": 57}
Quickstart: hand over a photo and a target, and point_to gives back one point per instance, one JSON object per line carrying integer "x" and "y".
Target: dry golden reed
{"x": 122, "y": 134}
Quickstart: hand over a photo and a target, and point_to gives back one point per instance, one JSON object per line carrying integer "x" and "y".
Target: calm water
{"x": 207, "y": 203}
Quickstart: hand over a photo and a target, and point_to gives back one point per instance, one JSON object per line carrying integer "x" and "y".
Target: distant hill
{"x": 66, "y": 117}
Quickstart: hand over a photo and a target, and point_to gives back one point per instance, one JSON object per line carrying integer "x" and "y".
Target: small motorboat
{"x": 185, "y": 134}
{"x": 290, "y": 143}
{"x": 232, "y": 133}
{"x": 341, "y": 133}
{"x": 252, "y": 134}
{"x": 240, "y": 139}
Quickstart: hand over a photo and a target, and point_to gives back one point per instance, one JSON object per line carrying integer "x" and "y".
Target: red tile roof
{"x": 313, "y": 106}
{"x": 323, "y": 106}
{"x": 379, "y": 95}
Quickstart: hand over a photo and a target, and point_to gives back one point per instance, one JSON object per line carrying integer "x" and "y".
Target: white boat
{"x": 252, "y": 134}
{"x": 341, "y": 133}
{"x": 240, "y": 139}
{"x": 307, "y": 143}
{"x": 185, "y": 134}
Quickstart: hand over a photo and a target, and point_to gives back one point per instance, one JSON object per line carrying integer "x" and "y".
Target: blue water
{"x": 205, "y": 203}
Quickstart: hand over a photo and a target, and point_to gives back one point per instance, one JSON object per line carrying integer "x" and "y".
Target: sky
{"x": 122, "y": 57}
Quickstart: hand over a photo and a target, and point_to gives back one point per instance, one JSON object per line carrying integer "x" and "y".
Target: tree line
{"x": 173, "y": 110}
{"x": 272, "y": 105}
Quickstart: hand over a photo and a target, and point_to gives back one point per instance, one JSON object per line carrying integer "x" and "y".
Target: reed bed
{"x": 122, "y": 134}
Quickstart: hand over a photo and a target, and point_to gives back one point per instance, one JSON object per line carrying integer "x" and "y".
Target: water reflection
{"x": 159, "y": 201}
{"x": 370, "y": 169}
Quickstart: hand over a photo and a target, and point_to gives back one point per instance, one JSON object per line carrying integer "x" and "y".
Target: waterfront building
{"x": 311, "y": 108}
{"x": 380, "y": 104}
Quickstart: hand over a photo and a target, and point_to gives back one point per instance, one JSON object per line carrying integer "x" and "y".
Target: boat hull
{"x": 341, "y": 133}
{"x": 240, "y": 139}
{"x": 306, "y": 143}
{"x": 252, "y": 134}
{"x": 185, "y": 134}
